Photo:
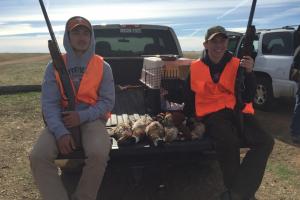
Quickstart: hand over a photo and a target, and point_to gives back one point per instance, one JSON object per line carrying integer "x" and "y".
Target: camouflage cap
{"x": 215, "y": 30}
{"x": 76, "y": 21}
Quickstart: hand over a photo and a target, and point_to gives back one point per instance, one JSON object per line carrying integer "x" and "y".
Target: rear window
{"x": 129, "y": 42}
{"x": 280, "y": 43}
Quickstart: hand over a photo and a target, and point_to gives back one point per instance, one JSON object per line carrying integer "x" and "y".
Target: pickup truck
{"x": 143, "y": 171}
{"x": 273, "y": 53}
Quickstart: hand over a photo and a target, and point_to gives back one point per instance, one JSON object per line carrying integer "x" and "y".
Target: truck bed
{"x": 129, "y": 100}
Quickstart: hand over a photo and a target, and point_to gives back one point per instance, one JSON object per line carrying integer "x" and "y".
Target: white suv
{"x": 273, "y": 53}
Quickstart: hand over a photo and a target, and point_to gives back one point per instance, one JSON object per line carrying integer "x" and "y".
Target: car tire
{"x": 264, "y": 94}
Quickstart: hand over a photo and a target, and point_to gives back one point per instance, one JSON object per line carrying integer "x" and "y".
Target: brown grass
{"x": 191, "y": 54}
{"x": 22, "y": 69}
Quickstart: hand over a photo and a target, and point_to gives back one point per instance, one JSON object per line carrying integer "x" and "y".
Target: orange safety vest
{"x": 89, "y": 85}
{"x": 209, "y": 96}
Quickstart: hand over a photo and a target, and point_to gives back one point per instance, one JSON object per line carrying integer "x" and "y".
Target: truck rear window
{"x": 133, "y": 42}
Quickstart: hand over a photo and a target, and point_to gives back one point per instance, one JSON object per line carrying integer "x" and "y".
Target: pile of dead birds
{"x": 160, "y": 129}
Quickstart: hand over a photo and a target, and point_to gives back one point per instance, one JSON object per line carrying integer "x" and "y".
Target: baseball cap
{"x": 215, "y": 30}
{"x": 73, "y": 22}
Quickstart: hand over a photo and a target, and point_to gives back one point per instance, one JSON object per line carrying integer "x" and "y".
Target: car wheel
{"x": 264, "y": 94}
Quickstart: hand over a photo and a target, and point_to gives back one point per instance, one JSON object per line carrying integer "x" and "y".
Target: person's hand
{"x": 66, "y": 144}
{"x": 248, "y": 63}
{"x": 71, "y": 119}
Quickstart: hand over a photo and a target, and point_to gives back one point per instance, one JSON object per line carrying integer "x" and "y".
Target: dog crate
{"x": 158, "y": 73}
{"x": 164, "y": 78}
{"x": 151, "y": 72}
{"x": 177, "y": 69}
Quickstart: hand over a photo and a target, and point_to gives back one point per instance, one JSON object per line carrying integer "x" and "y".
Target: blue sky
{"x": 22, "y": 26}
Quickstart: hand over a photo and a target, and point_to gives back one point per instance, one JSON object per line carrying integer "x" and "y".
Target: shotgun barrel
{"x": 60, "y": 67}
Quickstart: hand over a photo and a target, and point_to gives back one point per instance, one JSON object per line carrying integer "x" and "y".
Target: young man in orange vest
{"x": 211, "y": 99}
{"x": 93, "y": 84}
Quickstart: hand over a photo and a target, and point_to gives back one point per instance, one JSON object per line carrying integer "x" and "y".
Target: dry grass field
{"x": 20, "y": 119}
{"x": 22, "y": 69}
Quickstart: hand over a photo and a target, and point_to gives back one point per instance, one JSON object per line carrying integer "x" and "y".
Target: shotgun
{"x": 246, "y": 50}
{"x": 60, "y": 67}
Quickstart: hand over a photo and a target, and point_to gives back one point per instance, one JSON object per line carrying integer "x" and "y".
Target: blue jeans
{"x": 295, "y": 125}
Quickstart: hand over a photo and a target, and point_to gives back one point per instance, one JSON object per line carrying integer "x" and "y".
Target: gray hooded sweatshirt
{"x": 76, "y": 66}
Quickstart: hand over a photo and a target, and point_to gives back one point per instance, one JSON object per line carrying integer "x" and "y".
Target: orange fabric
{"x": 248, "y": 109}
{"x": 89, "y": 85}
{"x": 209, "y": 96}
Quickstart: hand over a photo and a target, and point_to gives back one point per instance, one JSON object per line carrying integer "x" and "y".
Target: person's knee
{"x": 41, "y": 155}
{"x": 35, "y": 157}
{"x": 99, "y": 156}
{"x": 44, "y": 149}
{"x": 266, "y": 143}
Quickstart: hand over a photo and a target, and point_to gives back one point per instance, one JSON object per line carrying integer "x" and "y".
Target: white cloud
{"x": 145, "y": 10}
{"x": 118, "y": 11}
{"x": 195, "y": 31}
{"x": 191, "y": 43}
{"x": 21, "y": 17}
{"x": 160, "y": 12}
{"x": 275, "y": 3}
{"x": 16, "y": 29}
{"x": 285, "y": 14}
{"x": 233, "y": 9}
{"x": 137, "y": 10}
{"x": 28, "y": 44}
{"x": 237, "y": 29}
